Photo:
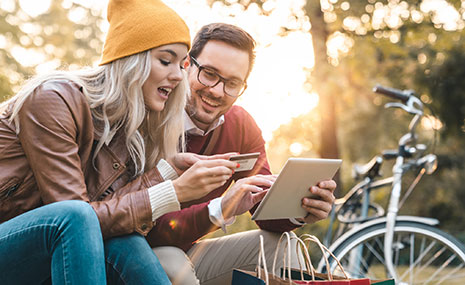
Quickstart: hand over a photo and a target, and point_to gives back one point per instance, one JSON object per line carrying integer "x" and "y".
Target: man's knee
{"x": 271, "y": 240}
{"x": 273, "y": 247}
{"x": 176, "y": 264}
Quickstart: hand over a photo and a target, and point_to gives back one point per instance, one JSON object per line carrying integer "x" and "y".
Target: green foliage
{"x": 61, "y": 41}
{"x": 443, "y": 80}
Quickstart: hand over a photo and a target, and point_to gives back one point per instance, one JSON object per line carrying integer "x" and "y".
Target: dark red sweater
{"x": 239, "y": 133}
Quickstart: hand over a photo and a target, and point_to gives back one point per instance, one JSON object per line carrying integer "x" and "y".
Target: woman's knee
{"x": 82, "y": 210}
{"x": 78, "y": 214}
{"x": 74, "y": 209}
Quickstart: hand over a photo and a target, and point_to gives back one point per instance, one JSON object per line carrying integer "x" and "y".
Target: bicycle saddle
{"x": 370, "y": 170}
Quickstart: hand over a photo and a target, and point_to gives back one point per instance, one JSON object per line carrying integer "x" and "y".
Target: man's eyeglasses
{"x": 210, "y": 78}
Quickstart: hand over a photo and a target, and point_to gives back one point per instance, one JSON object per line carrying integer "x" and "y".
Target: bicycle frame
{"x": 392, "y": 214}
{"x": 365, "y": 187}
{"x": 398, "y": 170}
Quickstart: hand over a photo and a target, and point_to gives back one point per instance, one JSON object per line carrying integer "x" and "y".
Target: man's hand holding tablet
{"x": 318, "y": 208}
{"x": 304, "y": 189}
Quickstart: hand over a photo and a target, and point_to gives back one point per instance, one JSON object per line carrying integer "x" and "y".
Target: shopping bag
{"x": 329, "y": 276}
{"x": 320, "y": 278}
{"x": 296, "y": 274}
{"x": 384, "y": 282}
{"x": 353, "y": 281}
{"x": 261, "y": 275}
{"x": 301, "y": 275}
{"x": 244, "y": 277}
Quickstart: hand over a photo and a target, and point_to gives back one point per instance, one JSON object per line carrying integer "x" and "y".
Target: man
{"x": 221, "y": 59}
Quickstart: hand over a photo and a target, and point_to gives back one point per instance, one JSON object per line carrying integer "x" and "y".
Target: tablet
{"x": 284, "y": 198}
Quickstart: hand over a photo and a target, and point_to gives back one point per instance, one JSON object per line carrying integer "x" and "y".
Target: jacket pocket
{"x": 9, "y": 188}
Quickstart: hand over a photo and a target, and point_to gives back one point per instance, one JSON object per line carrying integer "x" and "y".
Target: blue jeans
{"x": 62, "y": 239}
{"x": 130, "y": 260}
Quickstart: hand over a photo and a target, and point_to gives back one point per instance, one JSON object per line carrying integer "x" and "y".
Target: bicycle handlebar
{"x": 402, "y": 95}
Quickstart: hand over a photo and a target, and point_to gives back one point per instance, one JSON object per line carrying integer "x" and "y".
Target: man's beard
{"x": 192, "y": 108}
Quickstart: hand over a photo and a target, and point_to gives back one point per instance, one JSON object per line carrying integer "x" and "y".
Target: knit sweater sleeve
{"x": 181, "y": 228}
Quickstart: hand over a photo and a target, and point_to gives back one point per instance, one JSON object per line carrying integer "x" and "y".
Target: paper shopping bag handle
{"x": 261, "y": 256}
{"x": 325, "y": 249}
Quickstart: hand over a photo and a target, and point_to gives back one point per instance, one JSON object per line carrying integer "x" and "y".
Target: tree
{"x": 326, "y": 89}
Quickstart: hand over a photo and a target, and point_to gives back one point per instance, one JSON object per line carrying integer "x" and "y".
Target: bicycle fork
{"x": 392, "y": 216}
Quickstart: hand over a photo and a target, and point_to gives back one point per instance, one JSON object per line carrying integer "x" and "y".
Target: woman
{"x": 99, "y": 136}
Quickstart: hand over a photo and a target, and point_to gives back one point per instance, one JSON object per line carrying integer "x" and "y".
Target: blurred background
{"x": 311, "y": 87}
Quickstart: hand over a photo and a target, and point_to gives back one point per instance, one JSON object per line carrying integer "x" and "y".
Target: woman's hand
{"x": 204, "y": 176}
{"x": 182, "y": 161}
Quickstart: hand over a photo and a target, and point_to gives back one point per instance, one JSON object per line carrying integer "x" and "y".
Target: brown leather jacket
{"x": 51, "y": 160}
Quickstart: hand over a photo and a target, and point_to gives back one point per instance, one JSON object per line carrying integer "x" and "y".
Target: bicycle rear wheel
{"x": 422, "y": 254}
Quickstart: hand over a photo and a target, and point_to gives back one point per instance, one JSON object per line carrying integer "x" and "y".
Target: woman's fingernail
{"x": 238, "y": 165}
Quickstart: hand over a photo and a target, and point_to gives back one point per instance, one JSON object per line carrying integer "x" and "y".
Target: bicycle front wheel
{"x": 422, "y": 254}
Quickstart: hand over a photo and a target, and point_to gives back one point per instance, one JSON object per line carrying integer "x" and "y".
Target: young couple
{"x": 109, "y": 139}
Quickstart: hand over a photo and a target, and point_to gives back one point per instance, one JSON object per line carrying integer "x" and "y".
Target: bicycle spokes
{"x": 419, "y": 255}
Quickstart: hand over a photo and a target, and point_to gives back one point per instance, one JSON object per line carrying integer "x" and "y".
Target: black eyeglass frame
{"x": 220, "y": 79}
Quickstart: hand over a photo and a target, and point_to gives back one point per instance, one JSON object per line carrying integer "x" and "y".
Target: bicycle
{"x": 368, "y": 242}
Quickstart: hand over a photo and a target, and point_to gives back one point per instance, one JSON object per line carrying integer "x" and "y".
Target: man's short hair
{"x": 226, "y": 33}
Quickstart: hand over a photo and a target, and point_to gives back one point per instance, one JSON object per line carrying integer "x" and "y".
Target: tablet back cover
{"x": 284, "y": 199}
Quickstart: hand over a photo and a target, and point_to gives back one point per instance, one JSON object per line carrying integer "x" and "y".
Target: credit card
{"x": 247, "y": 161}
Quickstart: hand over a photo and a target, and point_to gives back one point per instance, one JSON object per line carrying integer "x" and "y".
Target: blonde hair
{"x": 114, "y": 94}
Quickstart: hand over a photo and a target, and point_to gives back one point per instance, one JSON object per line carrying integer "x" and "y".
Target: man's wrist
{"x": 216, "y": 214}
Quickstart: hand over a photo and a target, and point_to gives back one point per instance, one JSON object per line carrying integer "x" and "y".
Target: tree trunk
{"x": 321, "y": 74}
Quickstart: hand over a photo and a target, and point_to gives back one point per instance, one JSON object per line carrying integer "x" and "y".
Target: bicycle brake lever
{"x": 413, "y": 106}
{"x": 396, "y": 105}
{"x": 429, "y": 162}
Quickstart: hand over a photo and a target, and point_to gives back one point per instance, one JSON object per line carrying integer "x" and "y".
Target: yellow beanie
{"x": 140, "y": 25}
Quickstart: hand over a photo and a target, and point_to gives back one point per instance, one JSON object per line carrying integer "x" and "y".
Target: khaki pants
{"x": 211, "y": 261}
